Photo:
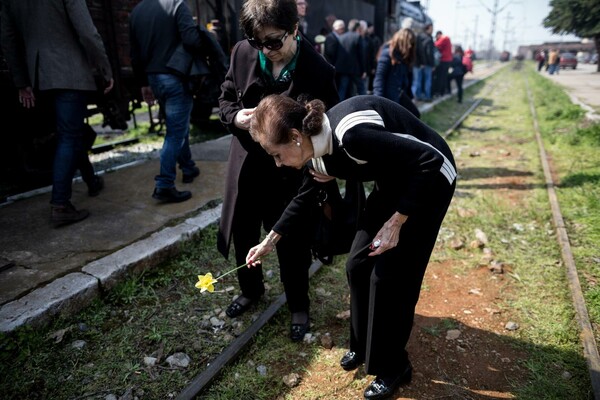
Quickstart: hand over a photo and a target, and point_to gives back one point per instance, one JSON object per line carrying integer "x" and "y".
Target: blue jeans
{"x": 70, "y": 108}
{"x": 345, "y": 81}
{"x": 176, "y": 100}
{"x": 422, "y": 82}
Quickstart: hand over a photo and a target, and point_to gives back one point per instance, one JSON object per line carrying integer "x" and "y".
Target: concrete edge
{"x": 71, "y": 293}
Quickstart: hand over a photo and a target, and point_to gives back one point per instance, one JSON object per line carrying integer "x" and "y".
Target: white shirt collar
{"x": 322, "y": 145}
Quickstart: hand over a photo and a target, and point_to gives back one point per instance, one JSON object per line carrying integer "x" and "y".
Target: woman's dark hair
{"x": 276, "y": 115}
{"x": 257, "y": 14}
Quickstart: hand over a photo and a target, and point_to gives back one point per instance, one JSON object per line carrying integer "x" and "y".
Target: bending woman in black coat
{"x": 368, "y": 138}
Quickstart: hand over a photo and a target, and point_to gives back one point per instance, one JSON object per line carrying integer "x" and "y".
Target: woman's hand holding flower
{"x": 263, "y": 248}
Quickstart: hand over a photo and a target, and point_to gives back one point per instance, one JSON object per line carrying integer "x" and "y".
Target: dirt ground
{"x": 469, "y": 358}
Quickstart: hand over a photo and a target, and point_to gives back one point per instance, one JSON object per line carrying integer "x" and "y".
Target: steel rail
{"x": 590, "y": 348}
{"x": 234, "y": 349}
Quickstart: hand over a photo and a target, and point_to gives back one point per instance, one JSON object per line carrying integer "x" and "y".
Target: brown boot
{"x": 66, "y": 214}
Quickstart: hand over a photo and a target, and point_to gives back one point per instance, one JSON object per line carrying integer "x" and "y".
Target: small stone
{"x": 481, "y": 236}
{"x": 327, "y": 341}
{"x": 452, "y": 334}
{"x": 262, "y": 370}
{"x": 291, "y": 380}
{"x": 511, "y": 326}
{"x": 457, "y": 244}
{"x": 496, "y": 268}
{"x": 343, "y": 315}
{"x": 78, "y": 344}
{"x": 179, "y": 360}
{"x": 150, "y": 361}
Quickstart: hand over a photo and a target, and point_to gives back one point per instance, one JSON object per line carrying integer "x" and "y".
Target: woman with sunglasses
{"x": 273, "y": 59}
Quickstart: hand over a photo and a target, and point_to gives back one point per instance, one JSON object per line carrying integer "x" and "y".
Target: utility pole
{"x": 475, "y": 33}
{"x": 506, "y": 31}
{"x": 495, "y": 11}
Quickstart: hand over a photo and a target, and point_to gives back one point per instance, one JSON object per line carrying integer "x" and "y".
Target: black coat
{"x": 375, "y": 139}
{"x": 244, "y": 87}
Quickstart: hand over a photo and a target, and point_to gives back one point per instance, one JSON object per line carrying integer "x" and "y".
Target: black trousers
{"x": 459, "y": 85}
{"x": 261, "y": 200}
{"x": 384, "y": 290}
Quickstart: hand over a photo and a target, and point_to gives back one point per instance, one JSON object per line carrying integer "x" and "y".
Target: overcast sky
{"x": 457, "y": 19}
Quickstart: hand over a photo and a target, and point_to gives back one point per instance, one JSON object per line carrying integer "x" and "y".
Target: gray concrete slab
{"x": 122, "y": 214}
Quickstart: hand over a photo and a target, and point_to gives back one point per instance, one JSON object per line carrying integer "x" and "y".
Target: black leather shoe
{"x": 236, "y": 308}
{"x": 189, "y": 178}
{"x": 351, "y": 361}
{"x": 297, "y": 331}
{"x": 171, "y": 195}
{"x": 383, "y": 387}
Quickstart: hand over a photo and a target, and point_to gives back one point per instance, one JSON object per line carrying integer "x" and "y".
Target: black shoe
{"x": 171, "y": 195}
{"x": 237, "y": 308}
{"x": 297, "y": 331}
{"x": 96, "y": 186}
{"x": 66, "y": 214}
{"x": 351, "y": 361}
{"x": 383, "y": 387}
{"x": 190, "y": 178}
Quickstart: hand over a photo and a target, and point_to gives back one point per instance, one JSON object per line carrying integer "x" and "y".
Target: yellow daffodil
{"x": 205, "y": 282}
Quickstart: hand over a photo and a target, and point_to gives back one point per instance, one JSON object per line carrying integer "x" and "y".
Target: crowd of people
{"x": 339, "y": 105}
{"x": 549, "y": 60}
{"x": 412, "y": 63}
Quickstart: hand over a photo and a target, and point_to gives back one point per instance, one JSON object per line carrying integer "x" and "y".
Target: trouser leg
{"x": 70, "y": 108}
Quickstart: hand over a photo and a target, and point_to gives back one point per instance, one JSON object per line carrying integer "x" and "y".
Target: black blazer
{"x": 375, "y": 139}
{"x": 244, "y": 87}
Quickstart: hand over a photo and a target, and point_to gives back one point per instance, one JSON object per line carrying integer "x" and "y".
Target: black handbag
{"x": 205, "y": 71}
{"x": 336, "y": 219}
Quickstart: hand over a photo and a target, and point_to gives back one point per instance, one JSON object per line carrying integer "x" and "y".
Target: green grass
{"x": 541, "y": 294}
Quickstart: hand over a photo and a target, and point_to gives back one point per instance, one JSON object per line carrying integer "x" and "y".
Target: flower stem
{"x": 232, "y": 270}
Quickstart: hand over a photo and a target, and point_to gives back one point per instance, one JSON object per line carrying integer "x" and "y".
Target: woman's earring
{"x": 298, "y": 144}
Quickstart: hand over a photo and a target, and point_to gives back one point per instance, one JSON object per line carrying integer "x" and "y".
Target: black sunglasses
{"x": 271, "y": 44}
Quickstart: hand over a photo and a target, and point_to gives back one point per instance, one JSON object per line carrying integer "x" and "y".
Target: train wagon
{"x": 28, "y": 137}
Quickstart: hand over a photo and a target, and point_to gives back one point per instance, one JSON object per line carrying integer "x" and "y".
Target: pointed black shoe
{"x": 351, "y": 361}
{"x": 171, "y": 195}
{"x": 236, "y": 308}
{"x": 297, "y": 331}
{"x": 383, "y": 387}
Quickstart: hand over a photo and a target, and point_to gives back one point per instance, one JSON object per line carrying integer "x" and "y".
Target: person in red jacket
{"x": 443, "y": 44}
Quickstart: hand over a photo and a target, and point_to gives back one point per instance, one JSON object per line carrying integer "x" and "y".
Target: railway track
{"x": 590, "y": 349}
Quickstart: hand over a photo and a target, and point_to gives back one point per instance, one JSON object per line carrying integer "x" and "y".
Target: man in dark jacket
{"x": 424, "y": 64}
{"x": 350, "y": 62}
{"x": 52, "y": 48}
{"x": 157, "y": 28}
